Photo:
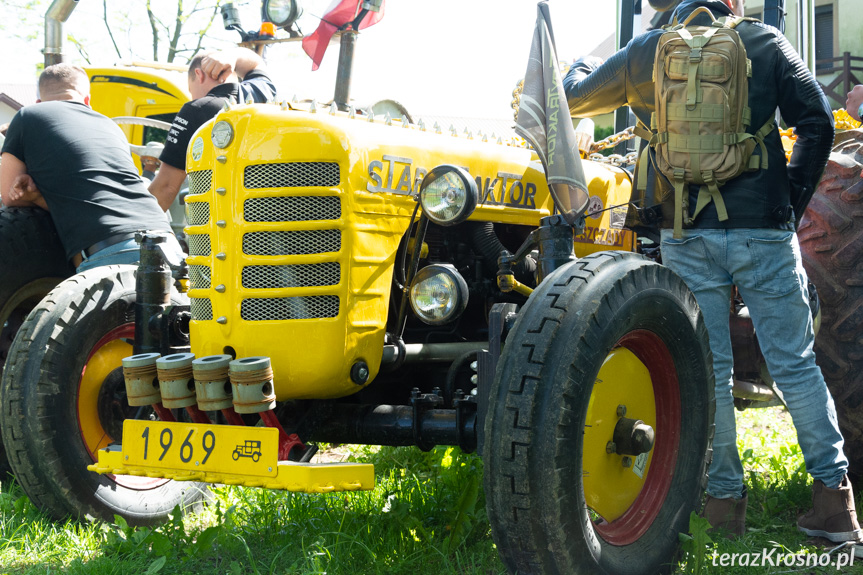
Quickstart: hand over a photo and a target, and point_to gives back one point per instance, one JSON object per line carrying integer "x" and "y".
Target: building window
{"x": 823, "y": 37}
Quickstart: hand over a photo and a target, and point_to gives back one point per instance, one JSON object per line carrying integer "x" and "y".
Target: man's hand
{"x": 24, "y": 190}
{"x": 218, "y": 65}
{"x": 855, "y": 98}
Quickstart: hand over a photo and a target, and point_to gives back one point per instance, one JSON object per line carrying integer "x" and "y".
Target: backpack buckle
{"x": 695, "y": 55}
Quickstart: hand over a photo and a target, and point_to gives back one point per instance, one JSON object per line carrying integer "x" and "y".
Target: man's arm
{"x": 17, "y": 189}
{"x": 220, "y": 65}
{"x": 594, "y": 88}
{"x": 803, "y": 105}
{"x": 166, "y": 184}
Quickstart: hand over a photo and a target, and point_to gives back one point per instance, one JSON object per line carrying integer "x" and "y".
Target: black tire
{"x": 53, "y": 421}
{"x": 831, "y": 242}
{"x": 32, "y": 262}
{"x": 588, "y": 313}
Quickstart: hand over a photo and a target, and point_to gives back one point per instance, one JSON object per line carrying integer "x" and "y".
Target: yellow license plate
{"x": 199, "y": 447}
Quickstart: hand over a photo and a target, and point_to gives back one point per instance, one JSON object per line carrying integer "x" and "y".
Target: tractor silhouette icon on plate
{"x": 250, "y": 448}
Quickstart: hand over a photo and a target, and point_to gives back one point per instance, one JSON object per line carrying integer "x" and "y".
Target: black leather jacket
{"x": 757, "y": 199}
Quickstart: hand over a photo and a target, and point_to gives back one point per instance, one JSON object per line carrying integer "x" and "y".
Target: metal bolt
{"x": 474, "y": 379}
{"x": 222, "y": 320}
{"x": 196, "y": 463}
{"x": 610, "y": 447}
{"x": 220, "y": 288}
{"x": 221, "y": 256}
{"x": 127, "y": 458}
{"x": 363, "y": 372}
{"x": 621, "y": 410}
{"x": 270, "y": 469}
{"x": 221, "y": 159}
{"x": 627, "y": 462}
{"x": 221, "y": 223}
{"x": 221, "y": 191}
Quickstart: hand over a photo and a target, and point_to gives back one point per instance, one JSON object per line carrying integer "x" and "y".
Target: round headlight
{"x": 282, "y": 12}
{"x": 222, "y": 134}
{"x": 448, "y": 195}
{"x": 438, "y": 294}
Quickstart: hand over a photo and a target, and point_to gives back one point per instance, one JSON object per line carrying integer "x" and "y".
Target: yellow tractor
{"x": 359, "y": 279}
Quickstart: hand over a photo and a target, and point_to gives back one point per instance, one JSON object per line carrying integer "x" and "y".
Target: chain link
{"x": 613, "y": 140}
{"x": 615, "y": 159}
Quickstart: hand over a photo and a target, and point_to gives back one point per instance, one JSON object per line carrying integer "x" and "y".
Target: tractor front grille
{"x": 200, "y": 182}
{"x": 197, "y": 213}
{"x": 291, "y": 175}
{"x": 199, "y": 276}
{"x": 289, "y": 243}
{"x": 199, "y": 244}
{"x": 292, "y": 209}
{"x": 287, "y": 308}
{"x": 290, "y": 276}
{"x": 202, "y": 308}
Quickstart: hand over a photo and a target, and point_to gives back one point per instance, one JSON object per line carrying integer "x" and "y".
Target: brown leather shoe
{"x": 833, "y": 515}
{"x": 727, "y": 515}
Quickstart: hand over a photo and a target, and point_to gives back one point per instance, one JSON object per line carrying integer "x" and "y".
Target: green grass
{"x": 426, "y": 516}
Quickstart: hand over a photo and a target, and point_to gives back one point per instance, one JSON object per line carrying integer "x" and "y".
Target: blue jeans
{"x": 766, "y": 267}
{"x": 126, "y": 252}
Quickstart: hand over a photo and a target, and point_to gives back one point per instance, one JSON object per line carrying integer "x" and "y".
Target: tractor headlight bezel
{"x": 222, "y": 134}
{"x": 448, "y": 195}
{"x": 282, "y": 13}
{"x": 438, "y": 294}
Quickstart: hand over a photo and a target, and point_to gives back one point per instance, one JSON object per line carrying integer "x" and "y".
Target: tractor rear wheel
{"x": 831, "y": 242}
{"x": 605, "y": 340}
{"x": 32, "y": 262}
{"x": 63, "y": 399}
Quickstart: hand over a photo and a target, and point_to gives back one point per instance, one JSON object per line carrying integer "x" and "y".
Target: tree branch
{"x": 154, "y": 30}
{"x": 108, "y": 26}
{"x": 178, "y": 26}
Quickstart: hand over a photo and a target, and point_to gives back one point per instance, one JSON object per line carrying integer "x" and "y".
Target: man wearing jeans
{"x": 63, "y": 157}
{"x": 755, "y": 249}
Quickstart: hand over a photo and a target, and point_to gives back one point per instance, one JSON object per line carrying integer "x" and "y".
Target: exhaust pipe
{"x": 56, "y": 15}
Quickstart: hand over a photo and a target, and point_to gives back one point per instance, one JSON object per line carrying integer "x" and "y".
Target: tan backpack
{"x": 699, "y": 128}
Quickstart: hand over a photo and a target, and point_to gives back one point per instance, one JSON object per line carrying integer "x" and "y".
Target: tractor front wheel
{"x": 63, "y": 399}
{"x": 604, "y": 343}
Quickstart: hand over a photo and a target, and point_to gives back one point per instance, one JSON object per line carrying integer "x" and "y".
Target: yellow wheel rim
{"x": 609, "y": 487}
{"x": 106, "y": 357}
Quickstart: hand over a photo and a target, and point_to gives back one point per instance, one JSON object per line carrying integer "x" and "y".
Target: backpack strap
{"x": 681, "y": 202}
{"x": 756, "y": 162}
{"x": 710, "y": 193}
{"x": 695, "y": 43}
{"x": 696, "y": 12}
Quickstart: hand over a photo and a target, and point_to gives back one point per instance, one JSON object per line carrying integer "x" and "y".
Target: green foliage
{"x": 426, "y": 516}
{"x": 695, "y": 544}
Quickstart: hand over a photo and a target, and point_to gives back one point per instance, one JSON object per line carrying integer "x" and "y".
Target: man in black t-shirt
{"x": 214, "y": 77}
{"x": 66, "y": 158}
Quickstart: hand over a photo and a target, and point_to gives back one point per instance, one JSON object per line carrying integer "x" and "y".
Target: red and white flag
{"x": 339, "y": 13}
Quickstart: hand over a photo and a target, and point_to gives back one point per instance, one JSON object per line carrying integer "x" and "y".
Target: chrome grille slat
{"x": 285, "y": 308}
{"x": 289, "y": 276}
{"x": 292, "y": 209}
{"x": 200, "y": 182}
{"x": 199, "y": 276}
{"x": 291, "y": 175}
{"x": 202, "y": 308}
{"x": 199, "y": 244}
{"x": 197, "y": 213}
{"x": 289, "y": 243}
